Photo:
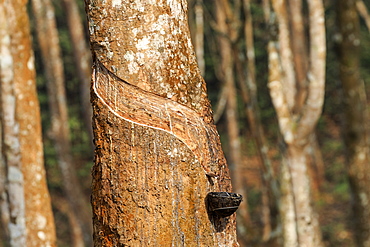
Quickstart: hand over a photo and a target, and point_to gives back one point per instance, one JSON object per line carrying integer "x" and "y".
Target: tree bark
{"x": 38, "y": 213}
{"x": 10, "y": 135}
{"x": 157, "y": 151}
{"x": 49, "y": 45}
{"x": 356, "y": 120}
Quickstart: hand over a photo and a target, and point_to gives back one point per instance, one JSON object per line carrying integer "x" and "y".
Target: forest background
{"x": 332, "y": 194}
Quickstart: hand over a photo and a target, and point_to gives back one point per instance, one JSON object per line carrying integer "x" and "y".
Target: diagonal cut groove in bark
{"x": 147, "y": 109}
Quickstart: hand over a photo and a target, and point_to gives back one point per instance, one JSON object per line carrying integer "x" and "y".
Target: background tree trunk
{"x": 225, "y": 39}
{"x": 82, "y": 60}
{"x": 49, "y": 45}
{"x": 356, "y": 120}
{"x": 6, "y": 70}
{"x": 143, "y": 170}
{"x": 10, "y": 134}
{"x": 39, "y": 216}
{"x": 248, "y": 90}
{"x": 297, "y": 123}
{"x": 196, "y": 25}
{"x": 362, "y": 10}
{"x": 199, "y": 36}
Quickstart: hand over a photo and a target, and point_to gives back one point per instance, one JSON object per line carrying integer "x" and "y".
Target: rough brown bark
{"x": 299, "y": 221}
{"x": 146, "y": 161}
{"x": 49, "y": 45}
{"x": 356, "y": 120}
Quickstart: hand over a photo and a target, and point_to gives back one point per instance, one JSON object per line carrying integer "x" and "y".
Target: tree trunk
{"x": 227, "y": 71}
{"x": 157, "y": 151}
{"x": 356, "y": 120}
{"x": 6, "y": 73}
{"x": 248, "y": 90}
{"x": 38, "y": 212}
{"x": 296, "y": 121}
{"x": 300, "y": 59}
{"x": 82, "y": 60}
{"x": 199, "y": 36}
{"x": 307, "y": 224}
{"x": 364, "y": 13}
{"x": 49, "y": 45}
{"x": 61, "y": 204}
{"x": 11, "y": 152}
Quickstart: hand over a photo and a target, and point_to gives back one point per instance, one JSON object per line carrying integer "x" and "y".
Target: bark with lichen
{"x": 142, "y": 169}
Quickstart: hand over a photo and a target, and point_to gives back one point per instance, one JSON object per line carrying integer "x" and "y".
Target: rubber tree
{"x": 157, "y": 154}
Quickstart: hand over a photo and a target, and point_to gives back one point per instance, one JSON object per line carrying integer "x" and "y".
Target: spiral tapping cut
{"x": 147, "y": 109}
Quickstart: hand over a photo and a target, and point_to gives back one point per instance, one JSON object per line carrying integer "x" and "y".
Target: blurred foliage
{"x": 334, "y": 203}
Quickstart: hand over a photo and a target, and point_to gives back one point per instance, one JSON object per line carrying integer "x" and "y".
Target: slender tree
{"x": 157, "y": 151}
{"x": 364, "y": 13}
{"x": 248, "y": 90}
{"x": 48, "y": 41}
{"x": 227, "y": 36}
{"x": 5, "y": 74}
{"x": 297, "y": 114}
{"x": 300, "y": 61}
{"x": 39, "y": 218}
{"x": 356, "y": 120}
{"x": 10, "y": 137}
{"x": 199, "y": 35}
{"x": 82, "y": 59}
{"x": 26, "y": 208}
